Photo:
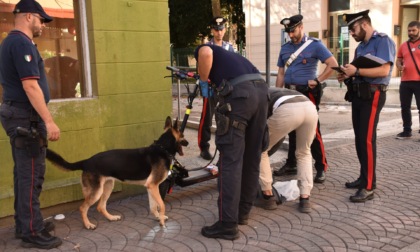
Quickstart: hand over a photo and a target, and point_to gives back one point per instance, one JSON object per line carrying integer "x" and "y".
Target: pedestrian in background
{"x": 25, "y": 98}
{"x": 408, "y": 62}
{"x": 241, "y": 118}
{"x": 218, "y": 29}
{"x": 298, "y": 62}
{"x": 289, "y": 110}
{"x": 367, "y": 92}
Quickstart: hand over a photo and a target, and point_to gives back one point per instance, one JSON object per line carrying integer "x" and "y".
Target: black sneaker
{"x": 404, "y": 135}
{"x": 48, "y": 226}
{"x": 205, "y": 154}
{"x": 287, "y": 169}
{"x": 222, "y": 230}
{"x": 304, "y": 205}
{"x": 42, "y": 240}
{"x": 267, "y": 204}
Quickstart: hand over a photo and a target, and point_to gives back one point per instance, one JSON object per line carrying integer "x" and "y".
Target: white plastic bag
{"x": 288, "y": 189}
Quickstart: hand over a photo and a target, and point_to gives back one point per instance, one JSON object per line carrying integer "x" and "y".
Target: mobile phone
{"x": 338, "y": 69}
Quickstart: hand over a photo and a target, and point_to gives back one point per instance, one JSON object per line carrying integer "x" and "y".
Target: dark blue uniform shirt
{"x": 381, "y": 46}
{"x": 227, "y": 65}
{"x": 303, "y": 68}
{"x": 20, "y": 60}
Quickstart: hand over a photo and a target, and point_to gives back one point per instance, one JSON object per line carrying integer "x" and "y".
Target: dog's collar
{"x": 166, "y": 151}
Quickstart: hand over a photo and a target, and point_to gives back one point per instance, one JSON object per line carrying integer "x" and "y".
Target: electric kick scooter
{"x": 178, "y": 174}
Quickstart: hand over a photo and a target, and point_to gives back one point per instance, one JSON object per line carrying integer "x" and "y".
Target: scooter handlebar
{"x": 183, "y": 74}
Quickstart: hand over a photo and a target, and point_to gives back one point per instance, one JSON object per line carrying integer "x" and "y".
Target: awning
{"x": 54, "y": 8}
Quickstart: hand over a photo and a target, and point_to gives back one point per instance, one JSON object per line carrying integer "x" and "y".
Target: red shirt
{"x": 410, "y": 72}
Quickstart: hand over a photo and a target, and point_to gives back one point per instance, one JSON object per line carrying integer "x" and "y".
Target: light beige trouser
{"x": 301, "y": 117}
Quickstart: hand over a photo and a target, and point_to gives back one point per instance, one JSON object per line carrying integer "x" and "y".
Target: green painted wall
{"x": 129, "y": 49}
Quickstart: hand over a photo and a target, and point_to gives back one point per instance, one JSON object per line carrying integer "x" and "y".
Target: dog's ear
{"x": 175, "y": 126}
{"x": 168, "y": 123}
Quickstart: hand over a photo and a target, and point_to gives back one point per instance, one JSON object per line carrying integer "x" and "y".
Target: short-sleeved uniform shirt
{"x": 304, "y": 67}
{"x": 227, "y": 65}
{"x": 20, "y": 60}
{"x": 379, "y": 45}
{"x": 410, "y": 72}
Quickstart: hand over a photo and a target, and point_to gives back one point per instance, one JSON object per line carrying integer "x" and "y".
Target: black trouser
{"x": 365, "y": 117}
{"x": 317, "y": 146}
{"x": 240, "y": 149}
{"x": 407, "y": 89}
{"x": 206, "y": 120}
{"x": 28, "y": 171}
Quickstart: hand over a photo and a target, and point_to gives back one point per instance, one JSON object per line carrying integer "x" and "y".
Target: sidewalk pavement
{"x": 389, "y": 222}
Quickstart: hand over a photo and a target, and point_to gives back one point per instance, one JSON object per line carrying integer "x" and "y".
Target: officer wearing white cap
{"x": 24, "y": 106}
{"x": 367, "y": 92}
{"x": 218, "y": 29}
{"x": 298, "y": 62}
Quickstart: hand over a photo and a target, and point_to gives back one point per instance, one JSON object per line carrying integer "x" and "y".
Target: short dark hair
{"x": 414, "y": 23}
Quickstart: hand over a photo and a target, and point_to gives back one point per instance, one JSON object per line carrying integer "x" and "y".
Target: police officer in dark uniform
{"x": 27, "y": 121}
{"x": 298, "y": 61}
{"x": 367, "y": 92}
{"x": 241, "y": 117}
{"x": 218, "y": 30}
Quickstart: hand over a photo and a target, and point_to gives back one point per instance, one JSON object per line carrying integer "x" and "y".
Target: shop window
{"x": 60, "y": 45}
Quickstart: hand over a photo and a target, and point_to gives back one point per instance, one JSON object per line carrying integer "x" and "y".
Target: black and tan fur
{"x": 146, "y": 166}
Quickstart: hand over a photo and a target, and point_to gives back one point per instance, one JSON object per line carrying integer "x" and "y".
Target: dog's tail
{"x": 59, "y": 161}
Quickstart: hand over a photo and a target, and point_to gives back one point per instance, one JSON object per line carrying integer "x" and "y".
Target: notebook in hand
{"x": 368, "y": 61}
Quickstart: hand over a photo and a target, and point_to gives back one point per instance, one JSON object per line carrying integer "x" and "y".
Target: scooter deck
{"x": 196, "y": 177}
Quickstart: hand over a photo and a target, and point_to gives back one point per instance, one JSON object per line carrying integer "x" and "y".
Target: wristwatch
{"x": 317, "y": 81}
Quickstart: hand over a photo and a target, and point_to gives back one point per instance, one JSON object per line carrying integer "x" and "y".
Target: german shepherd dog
{"x": 148, "y": 166}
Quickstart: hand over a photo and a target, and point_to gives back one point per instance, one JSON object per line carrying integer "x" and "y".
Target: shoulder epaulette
{"x": 314, "y": 39}
{"x": 381, "y": 34}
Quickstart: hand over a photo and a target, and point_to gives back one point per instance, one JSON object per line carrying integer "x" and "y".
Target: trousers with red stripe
{"x": 317, "y": 146}
{"x": 365, "y": 117}
{"x": 204, "y": 129}
{"x": 28, "y": 171}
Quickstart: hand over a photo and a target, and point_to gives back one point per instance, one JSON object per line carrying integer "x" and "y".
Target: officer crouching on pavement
{"x": 241, "y": 118}
{"x": 298, "y": 62}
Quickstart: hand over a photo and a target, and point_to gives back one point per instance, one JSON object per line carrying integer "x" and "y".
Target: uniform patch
{"x": 28, "y": 58}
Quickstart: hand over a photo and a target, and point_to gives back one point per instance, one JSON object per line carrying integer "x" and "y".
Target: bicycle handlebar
{"x": 181, "y": 74}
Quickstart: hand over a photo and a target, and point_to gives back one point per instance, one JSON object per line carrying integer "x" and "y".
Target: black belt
{"x": 246, "y": 77}
{"x": 300, "y": 88}
{"x": 373, "y": 87}
{"x": 22, "y": 105}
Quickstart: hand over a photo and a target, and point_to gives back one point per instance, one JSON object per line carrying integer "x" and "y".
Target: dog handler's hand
{"x": 53, "y": 132}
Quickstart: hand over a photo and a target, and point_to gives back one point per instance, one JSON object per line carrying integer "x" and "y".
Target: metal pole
{"x": 179, "y": 98}
{"x": 267, "y": 41}
{"x": 299, "y": 5}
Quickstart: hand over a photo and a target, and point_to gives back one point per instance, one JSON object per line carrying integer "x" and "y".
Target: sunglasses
{"x": 41, "y": 19}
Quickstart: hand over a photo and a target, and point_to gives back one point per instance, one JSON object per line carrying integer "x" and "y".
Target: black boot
{"x": 42, "y": 240}
{"x": 48, "y": 226}
{"x": 320, "y": 177}
{"x": 289, "y": 168}
{"x": 222, "y": 230}
{"x": 362, "y": 195}
{"x": 205, "y": 154}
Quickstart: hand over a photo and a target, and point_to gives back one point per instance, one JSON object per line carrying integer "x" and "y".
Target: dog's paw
{"x": 114, "y": 217}
{"x": 90, "y": 226}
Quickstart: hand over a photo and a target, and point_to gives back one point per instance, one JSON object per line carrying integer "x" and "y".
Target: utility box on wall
{"x": 397, "y": 30}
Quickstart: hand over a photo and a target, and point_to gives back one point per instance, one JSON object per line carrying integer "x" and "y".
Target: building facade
{"x": 105, "y": 62}
{"x": 323, "y": 19}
